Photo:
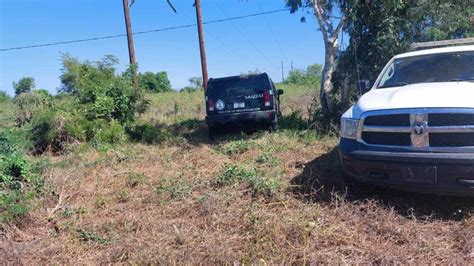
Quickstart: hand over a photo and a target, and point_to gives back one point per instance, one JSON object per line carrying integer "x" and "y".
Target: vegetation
{"x": 25, "y": 84}
{"x": 20, "y": 182}
{"x": 311, "y": 76}
{"x": 378, "y": 30}
{"x": 103, "y": 172}
{"x": 381, "y": 29}
{"x": 4, "y": 97}
{"x": 195, "y": 84}
{"x": 155, "y": 82}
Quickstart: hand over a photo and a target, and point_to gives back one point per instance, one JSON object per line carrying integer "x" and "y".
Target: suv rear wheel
{"x": 211, "y": 132}
{"x": 273, "y": 126}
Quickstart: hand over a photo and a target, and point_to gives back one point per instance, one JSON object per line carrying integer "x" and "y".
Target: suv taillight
{"x": 210, "y": 105}
{"x": 266, "y": 98}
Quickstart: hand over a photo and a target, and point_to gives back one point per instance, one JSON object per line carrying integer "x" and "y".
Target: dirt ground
{"x": 245, "y": 198}
{"x": 161, "y": 204}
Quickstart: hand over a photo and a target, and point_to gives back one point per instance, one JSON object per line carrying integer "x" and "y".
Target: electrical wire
{"x": 245, "y": 36}
{"x": 141, "y": 32}
{"x": 272, "y": 32}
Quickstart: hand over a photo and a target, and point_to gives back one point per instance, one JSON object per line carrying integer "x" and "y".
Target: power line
{"x": 208, "y": 32}
{"x": 245, "y": 36}
{"x": 272, "y": 32}
{"x": 142, "y": 32}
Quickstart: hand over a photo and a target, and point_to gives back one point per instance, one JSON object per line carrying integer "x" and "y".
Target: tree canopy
{"x": 379, "y": 30}
{"x": 25, "y": 84}
{"x": 155, "y": 82}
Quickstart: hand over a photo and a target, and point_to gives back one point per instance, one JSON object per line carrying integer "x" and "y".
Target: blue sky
{"x": 232, "y": 47}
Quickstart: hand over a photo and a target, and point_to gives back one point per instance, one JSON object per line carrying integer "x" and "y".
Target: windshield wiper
{"x": 398, "y": 84}
{"x": 468, "y": 79}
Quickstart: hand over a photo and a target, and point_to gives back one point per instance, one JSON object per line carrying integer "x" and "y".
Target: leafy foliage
{"x": 29, "y": 104}
{"x": 25, "y": 84}
{"x": 155, "y": 82}
{"x": 236, "y": 174}
{"x": 78, "y": 76}
{"x": 147, "y": 133}
{"x": 311, "y": 76}
{"x": 195, "y": 83}
{"x": 19, "y": 184}
{"x": 4, "y": 97}
{"x": 380, "y": 29}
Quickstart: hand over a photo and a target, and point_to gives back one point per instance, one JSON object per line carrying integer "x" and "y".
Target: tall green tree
{"x": 331, "y": 18}
{"x": 25, "y": 84}
{"x": 379, "y": 30}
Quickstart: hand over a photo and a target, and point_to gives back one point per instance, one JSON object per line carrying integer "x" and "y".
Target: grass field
{"x": 249, "y": 198}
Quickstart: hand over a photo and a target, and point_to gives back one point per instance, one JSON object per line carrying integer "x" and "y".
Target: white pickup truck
{"x": 414, "y": 128}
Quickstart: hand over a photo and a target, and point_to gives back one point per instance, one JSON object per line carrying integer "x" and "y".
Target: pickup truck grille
{"x": 419, "y": 128}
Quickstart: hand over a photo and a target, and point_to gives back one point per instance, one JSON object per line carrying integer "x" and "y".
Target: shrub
{"x": 49, "y": 131}
{"x": 235, "y": 174}
{"x": 29, "y": 104}
{"x": 155, "y": 82}
{"x": 100, "y": 93}
{"x": 310, "y": 76}
{"x": 14, "y": 140}
{"x": 4, "y": 97}
{"x": 111, "y": 132}
{"x": 25, "y": 84}
{"x": 78, "y": 75}
{"x": 238, "y": 147}
{"x": 18, "y": 185}
{"x": 147, "y": 133}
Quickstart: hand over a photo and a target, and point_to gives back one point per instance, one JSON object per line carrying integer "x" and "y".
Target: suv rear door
{"x": 241, "y": 94}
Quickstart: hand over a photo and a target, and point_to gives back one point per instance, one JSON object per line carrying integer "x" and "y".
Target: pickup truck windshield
{"x": 444, "y": 67}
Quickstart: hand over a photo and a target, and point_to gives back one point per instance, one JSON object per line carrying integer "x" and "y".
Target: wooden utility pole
{"x": 131, "y": 47}
{"x": 282, "y": 72}
{"x": 201, "y": 44}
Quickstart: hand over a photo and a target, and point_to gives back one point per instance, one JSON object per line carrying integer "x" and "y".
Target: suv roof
{"x": 262, "y": 75}
{"x": 464, "y": 48}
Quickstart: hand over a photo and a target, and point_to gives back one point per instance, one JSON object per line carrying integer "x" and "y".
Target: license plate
{"x": 425, "y": 175}
{"x": 239, "y": 105}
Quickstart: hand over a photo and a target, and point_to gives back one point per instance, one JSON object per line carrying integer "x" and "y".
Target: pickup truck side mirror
{"x": 280, "y": 92}
{"x": 363, "y": 86}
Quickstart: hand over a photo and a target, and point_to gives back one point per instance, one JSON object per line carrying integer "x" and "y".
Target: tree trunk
{"x": 330, "y": 37}
{"x": 326, "y": 81}
{"x": 345, "y": 94}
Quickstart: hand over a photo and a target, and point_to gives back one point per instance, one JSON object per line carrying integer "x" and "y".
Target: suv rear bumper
{"x": 452, "y": 173}
{"x": 241, "y": 118}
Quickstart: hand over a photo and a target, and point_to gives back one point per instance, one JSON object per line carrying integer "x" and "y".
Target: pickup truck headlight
{"x": 349, "y": 128}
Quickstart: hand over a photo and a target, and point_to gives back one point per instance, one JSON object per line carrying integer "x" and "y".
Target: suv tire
{"x": 211, "y": 133}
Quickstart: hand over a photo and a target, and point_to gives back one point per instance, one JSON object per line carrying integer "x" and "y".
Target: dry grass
{"x": 160, "y": 204}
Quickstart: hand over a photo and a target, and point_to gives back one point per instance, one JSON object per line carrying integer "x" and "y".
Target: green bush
{"x": 155, "y": 82}
{"x": 4, "y": 97}
{"x": 50, "y": 132}
{"x": 14, "y": 139}
{"x": 29, "y": 104}
{"x": 310, "y": 76}
{"x": 100, "y": 93}
{"x": 25, "y": 84}
{"x": 18, "y": 185}
{"x": 108, "y": 133}
{"x": 147, "y": 133}
{"x": 236, "y": 174}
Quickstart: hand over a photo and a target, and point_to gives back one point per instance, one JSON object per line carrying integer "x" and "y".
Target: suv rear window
{"x": 237, "y": 87}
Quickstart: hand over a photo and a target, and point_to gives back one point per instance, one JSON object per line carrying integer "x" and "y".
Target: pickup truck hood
{"x": 424, "y": 95}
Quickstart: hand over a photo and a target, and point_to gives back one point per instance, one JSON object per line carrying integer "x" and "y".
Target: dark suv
{"x": 246, "y": 100}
